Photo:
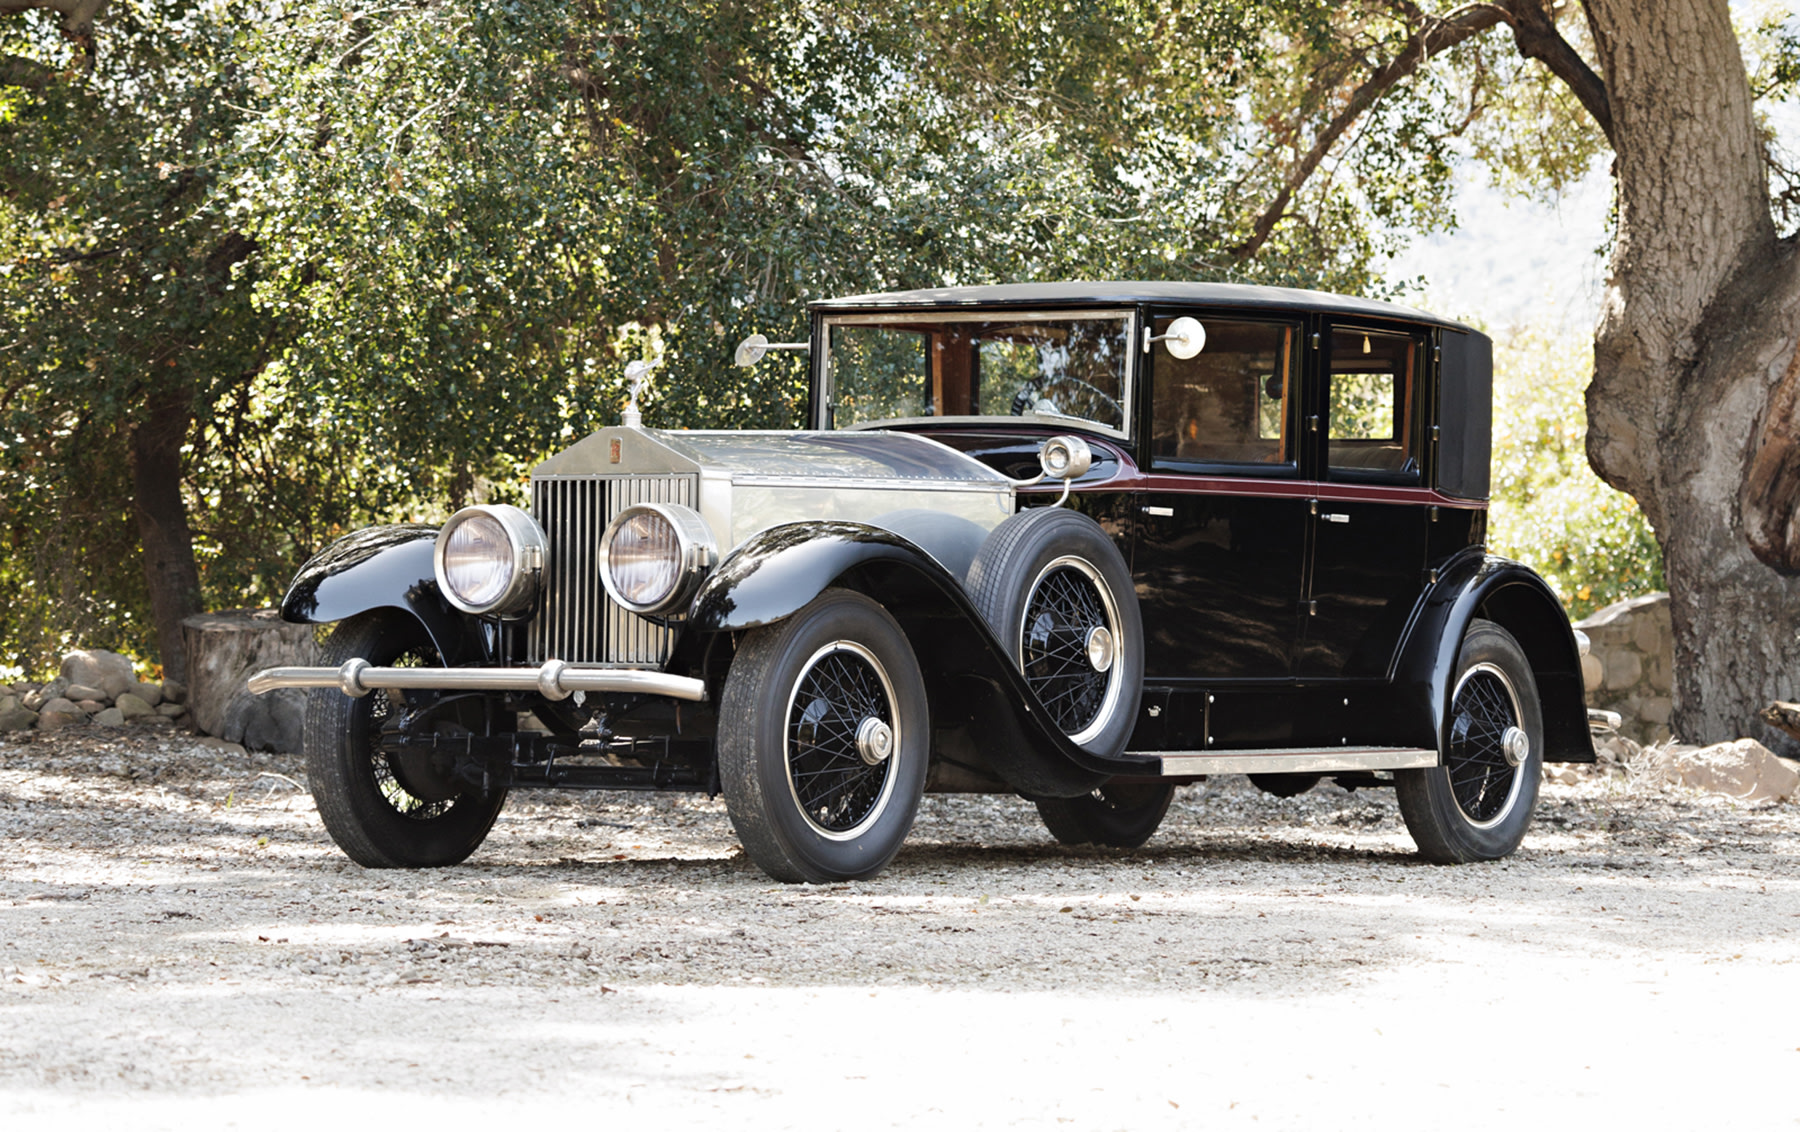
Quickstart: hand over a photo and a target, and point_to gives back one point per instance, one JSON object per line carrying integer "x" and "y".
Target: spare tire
{"x": 1054, "y": 589}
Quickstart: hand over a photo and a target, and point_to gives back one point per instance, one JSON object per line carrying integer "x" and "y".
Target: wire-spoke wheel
{"x": 387, "y": 806}
{"x": 823, "y": 756}
{"x": 1054, "y": 589}
{"x": 841, "y": 731}
{"x": 1122, "y": 815}
{"x": 1477, "y": 804}
{"x": 1067, "y": 641}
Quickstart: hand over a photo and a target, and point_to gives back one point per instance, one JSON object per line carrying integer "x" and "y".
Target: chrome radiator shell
{"x": 576, "y": 622}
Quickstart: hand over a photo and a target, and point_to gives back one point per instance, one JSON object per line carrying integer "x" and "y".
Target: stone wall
{"x": 1631, "y": 663}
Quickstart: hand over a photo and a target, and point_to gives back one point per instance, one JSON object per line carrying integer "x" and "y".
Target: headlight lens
{"x": 487, "y": 560}
{"x": 478, "y": 560}
{"x": 654, "y": 557}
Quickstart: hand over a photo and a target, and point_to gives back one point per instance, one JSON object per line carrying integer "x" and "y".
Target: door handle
{"x": 1335, "y": 517}
{"x": 1163, "y": 512}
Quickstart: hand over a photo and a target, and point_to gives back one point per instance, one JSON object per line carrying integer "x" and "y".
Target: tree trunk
{"x": 1698, "y": 328}
{"x": 170, "y": 571}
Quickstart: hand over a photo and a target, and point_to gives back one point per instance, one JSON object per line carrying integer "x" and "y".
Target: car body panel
{"x": 387, "y": 567}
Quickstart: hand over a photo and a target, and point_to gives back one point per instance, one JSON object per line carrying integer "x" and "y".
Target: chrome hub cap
{"x": 1515, "y": 745}
{"x": 1100, "y": 648}
{"x": 874, "y": 741}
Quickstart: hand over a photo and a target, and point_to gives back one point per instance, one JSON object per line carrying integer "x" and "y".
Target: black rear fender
{"x": 1512, "y": 596}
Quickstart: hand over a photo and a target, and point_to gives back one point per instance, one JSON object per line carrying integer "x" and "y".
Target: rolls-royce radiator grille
{"x": 578, "y": 622}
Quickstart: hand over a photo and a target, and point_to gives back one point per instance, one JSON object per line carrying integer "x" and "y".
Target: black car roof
{"x": 1116, "y": 293}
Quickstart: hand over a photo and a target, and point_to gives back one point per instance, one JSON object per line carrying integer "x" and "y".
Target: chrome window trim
{"x": 1129, "y": 379}
{"x": 979, "y": 487}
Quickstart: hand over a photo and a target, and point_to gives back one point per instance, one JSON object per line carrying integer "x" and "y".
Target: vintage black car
{"x": 1080, "y": 542}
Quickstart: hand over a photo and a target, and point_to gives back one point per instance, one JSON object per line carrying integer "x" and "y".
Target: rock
{"x": 37, "y": 699}
{"x": 131, "y": 706}
{"x": 1623, "y": 669}
{"x": 171, "y": 711}
{"x": 220, "y": 745}
{"x": 1616, "y": 750}
{"x": 91, "y": 706}
{"x": 1744, "y": 769}
{"x": 1593, "y": 673}
{"x": 1786, "y": 716}
{"x": 174, "y": 691}
{"x": 98, "y": 668}
{"x": 224, "y": 650}
{"x": 111, "y": 717}
{"x": 18, "y": 719}
{"x": 150, "y": 693}
{"x": 59, "y": 713}
{"x": 9, "y": 702}
{"x": 79, "y": 692}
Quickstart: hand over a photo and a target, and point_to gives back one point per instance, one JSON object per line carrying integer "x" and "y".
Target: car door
{"x": 1221, "y": 530}
{"x": 1369, "y": 523}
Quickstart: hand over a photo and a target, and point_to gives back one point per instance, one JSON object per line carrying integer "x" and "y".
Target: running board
{"x": 1285, "y": 760}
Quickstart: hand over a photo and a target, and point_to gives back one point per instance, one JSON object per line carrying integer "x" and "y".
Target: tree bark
{"x": 1697, "y": 329}
{"x": 170, "y": 570}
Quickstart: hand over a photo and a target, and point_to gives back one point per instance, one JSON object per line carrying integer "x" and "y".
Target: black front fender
{"x": 1513, "y": 596}
{"x": 972, "y": 680}
{"x": 383, "y": 568}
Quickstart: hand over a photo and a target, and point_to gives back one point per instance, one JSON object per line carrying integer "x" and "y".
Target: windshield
{"x": 894, "y": 367}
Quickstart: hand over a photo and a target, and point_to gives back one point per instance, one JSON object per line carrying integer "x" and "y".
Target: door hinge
{"x": 1431, "y": 576}
{"x": 1311, "y": 608}
{"x": 1312, "y": 424}
{"x": 1315, "y": 339}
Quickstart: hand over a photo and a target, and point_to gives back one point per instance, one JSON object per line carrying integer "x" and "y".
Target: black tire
{"x": 1285, "y": 785}
{"x": 384, "y": 811}
{"x": 1044, "y": 581}
{"x": 795, "y": 763}
{"x": 1122, "y": 815}
{"x": 1476, "y": 805}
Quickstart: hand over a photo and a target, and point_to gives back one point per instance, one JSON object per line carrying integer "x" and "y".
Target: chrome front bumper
{"x": 554, "y": 679}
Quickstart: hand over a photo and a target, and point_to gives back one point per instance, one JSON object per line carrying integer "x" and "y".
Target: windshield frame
{"x": 823, "y": 378}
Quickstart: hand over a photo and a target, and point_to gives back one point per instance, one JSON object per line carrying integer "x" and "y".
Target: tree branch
{"x": 1535, "y": 33}
{"x": 1433, "y": 38}
{"x": 77, "y": 19}
{"x": 16, "y": 70}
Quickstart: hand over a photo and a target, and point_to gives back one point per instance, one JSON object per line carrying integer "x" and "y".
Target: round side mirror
{"x": 1185, "y": 339}
{"x": 751, "y": 350}
{"x": 1065, "y": 457}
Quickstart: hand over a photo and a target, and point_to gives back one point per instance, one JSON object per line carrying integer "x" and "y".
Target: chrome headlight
{"x": 654, "y": 557}
{"x": 488, "y": 559}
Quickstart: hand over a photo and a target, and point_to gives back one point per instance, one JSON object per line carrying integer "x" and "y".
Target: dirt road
{"x": 180, "y": 945}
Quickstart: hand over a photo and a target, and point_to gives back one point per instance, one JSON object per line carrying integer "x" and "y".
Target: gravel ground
{"x": 181, "y": 945}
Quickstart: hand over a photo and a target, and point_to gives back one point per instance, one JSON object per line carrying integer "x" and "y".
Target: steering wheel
{"x": 1028, "y": 396}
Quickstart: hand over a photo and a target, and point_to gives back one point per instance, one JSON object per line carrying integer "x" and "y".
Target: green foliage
{"x": 389, "y": 257}
{"x": 119, "y": 282}
{"x": 1549, "y": 510}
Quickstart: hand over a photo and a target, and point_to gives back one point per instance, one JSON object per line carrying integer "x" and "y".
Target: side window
{"x": 1371, "y": 392}
{"x": 1228, "y": 403}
